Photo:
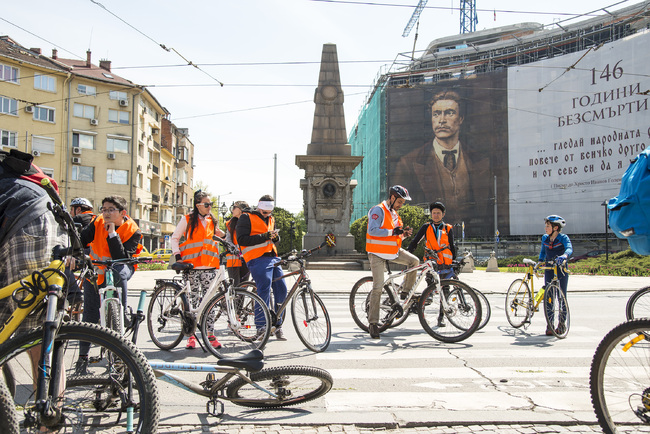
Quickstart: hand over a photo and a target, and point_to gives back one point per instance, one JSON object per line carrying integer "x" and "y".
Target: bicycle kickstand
{"x": 211, "y": 407}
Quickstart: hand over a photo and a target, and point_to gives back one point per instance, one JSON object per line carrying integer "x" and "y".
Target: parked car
{"x": 145, "y": 253}
{"x": 591, "y": 254}
{"x": 161, "y": 254}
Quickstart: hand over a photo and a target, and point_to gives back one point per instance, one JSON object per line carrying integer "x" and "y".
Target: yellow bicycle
{"x": 522, "y": 301}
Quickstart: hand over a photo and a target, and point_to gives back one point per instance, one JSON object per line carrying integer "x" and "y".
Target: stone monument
{"x": 328, "y": 165}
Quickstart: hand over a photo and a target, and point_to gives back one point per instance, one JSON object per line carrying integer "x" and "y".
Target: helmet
{"x": 438, "y": 205}
{"x": 555, "y": 219}
{"x": 81, "y": 201}
{"x": 398, "y": 190}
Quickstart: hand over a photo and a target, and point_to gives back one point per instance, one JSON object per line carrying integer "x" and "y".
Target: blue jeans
{"x": 263, "y": 272}
{"x": 563, "y": 279}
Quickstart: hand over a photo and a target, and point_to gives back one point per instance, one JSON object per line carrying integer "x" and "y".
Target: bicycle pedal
{"x": 212, "y": 405}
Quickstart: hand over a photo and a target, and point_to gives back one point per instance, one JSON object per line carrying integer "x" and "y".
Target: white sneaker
{"x": 279, "y": 334}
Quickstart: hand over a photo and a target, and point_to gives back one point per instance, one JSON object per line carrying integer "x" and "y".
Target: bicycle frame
{"x": 110, "y": 294}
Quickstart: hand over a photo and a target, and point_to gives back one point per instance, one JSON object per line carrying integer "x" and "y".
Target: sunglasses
{"x": 207, "y": 204}
{"x": 265, "y": 212}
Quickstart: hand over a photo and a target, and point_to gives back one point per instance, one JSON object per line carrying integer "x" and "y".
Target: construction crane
{"x": 414, "y": 18}
{"x": 468, "y": 17}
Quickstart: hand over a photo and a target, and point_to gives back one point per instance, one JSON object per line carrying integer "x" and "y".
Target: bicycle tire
{"x": 619, "y": 377}
{"x": 360, "y": 301}
{"x": 241, "y": 339}
{"x": 462, "y": 316}
{"x": 519, "y": 303}
{"x": 311, "y": 320}
{"x": 8, "y": 414}
{"x": 486, "y": 309}
{"x": 557, "y": 317}
{"x": 292, "y": 384}
{"x": 164, "y": 319}
{"x": 248, "y": 286}
{"x": 111, "y": 357}
{"x": 638, "y": 305}
{"x": 113, "y": 320}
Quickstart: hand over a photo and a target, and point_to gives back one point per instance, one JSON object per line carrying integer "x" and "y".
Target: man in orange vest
{"x": 438, "y": 235}
{"x": 383, "y": 244}
{"x": 237, "y": 269}
{"x": 256, "y": 235}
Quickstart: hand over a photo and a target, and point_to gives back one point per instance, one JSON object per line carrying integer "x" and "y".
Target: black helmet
{"x": 438, "y": 205}
{"x": 398, "y": 190}
{"x": 555, "y": 219}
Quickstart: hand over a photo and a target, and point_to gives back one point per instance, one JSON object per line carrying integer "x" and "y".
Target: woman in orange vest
{"x": 237, "y": 269}
{"x": 198, "y": 248}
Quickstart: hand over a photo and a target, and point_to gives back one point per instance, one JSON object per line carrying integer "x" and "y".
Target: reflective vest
{"x": 199, "y": 248}
{"x": 259, "y": 227}
{"x": 385, "y": 245}
{"x": 435, "y": 243}
{"x": 99, "y": 250}
{"x": 233, "y": 260}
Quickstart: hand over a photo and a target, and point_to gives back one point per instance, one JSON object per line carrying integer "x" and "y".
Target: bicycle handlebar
{"x": 129, "y": 261}
{"x": 303, "y": 253}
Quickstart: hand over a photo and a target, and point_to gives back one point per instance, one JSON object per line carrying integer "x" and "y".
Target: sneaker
{"x": 561, "y": 329}
{"x": 441, "y": 322}
{"x": 259, "y": 334}
{"x": 549, "y": 332}
{"x": 191, "y": 343}
{"x": 279, "y": 334}
{"x": 214, "y": 342}
{"x": 374, "y": 331}
{"x": 81, "y": 366}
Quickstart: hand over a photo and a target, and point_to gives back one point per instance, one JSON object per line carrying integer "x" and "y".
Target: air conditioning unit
{"x": 76, "y": 160}
{"x": 76, "y": 150}
{"x": 29, "y": 108}
{"x": 139, "y": 168}
{"x": 149, "y": 166}
{"x": 110, "y": 156}
{"x": 124, "y": 102}
{"x": 94, "y": 122}
{"x": 36, "y": 153}
{"x": 139, "y": 200}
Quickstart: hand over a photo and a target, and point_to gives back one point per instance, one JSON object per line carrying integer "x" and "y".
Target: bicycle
{"x": 619, "y": 378}
{"x": 225, "y": 313}
{"x": 522, "y": 301}
{"x": 448, "y": 299}
{"x": 49, "y": 388}
{"x": 638, "y": 305}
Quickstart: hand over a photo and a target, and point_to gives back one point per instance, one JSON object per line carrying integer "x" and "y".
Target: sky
{"x": 266, "y": 53}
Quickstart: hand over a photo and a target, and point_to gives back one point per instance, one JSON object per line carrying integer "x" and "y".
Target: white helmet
{"x": 81, "y": 201}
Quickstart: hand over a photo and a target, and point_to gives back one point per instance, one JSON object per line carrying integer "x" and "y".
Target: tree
{"x": 287, "y": 223}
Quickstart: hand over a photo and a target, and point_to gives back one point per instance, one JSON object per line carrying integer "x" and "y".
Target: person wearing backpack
{"x": 556, "y": 247}
{"x": 237, "y": 269}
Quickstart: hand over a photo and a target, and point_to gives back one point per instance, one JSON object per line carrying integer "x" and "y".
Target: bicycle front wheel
{"x": 234, "y": 335}
{"x": 311, "y": 320}
{"x": 292, "y": 385}
{"x": 113, "y": 320}
{"x": 96, "y": 391}
{"x": 619, "y": 378}
{"x": 164, "y": 320}
{"x": 8, "y": 414}
{"x": 519, "y": 303}
{"x": 486, "y": 310}
{"x": 557, "y": 311}
{"x": 360, "y": 304}
{"x": 638, "y": 305}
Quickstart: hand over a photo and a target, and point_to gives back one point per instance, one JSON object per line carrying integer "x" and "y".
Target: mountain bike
{"x": 225, "y": 313}
{"x": 50, "y": 389}
{"x": 449, "y": 310}
{"x": 619, "y": 378}
{"x": 522, "y": 301}
{"x": 638, "y": 305}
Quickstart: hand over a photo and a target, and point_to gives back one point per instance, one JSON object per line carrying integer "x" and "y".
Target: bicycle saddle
{"x": 181, "y": 266}
{"x": 252, "y": 362}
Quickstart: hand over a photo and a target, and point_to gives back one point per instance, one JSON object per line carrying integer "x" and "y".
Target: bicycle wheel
{"x": 164, "y": 319}
{"x": 459, "y": 320}
{"x": 638, "y": 305}
{"x": 360, "y": 303}
{"x": 556, "y": 310}
{"x": 291, "y": 384}
{"x": 311, "y": 320}
{"x": 619, "y": 378}
{"x": 238, "y": 335}
{"x": 95, "y": 393}
{"x": 486, "y": 310}
{"x": 8, "y": 414}
{"x": 113, "y": 320}
{"x": 248, "y": 286}
{"x": 519, "y": 303}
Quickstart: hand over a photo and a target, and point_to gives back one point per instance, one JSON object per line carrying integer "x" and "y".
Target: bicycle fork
{"x": 311, "y": 315}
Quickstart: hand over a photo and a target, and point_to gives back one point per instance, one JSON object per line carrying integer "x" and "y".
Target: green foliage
{"x": 358, "y": 229}
{"x": 152, "y": 266}
{"x": 283, "y": 219}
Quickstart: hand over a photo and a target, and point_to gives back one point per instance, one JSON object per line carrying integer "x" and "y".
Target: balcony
{"x": 155, "y": 198}
{"x": 154, "y": 168}
{"x": 156, "y": 145}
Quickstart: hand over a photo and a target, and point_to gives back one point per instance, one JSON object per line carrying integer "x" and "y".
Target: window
{"x": 147, "y": 184}
{"x": 43, "y": 144}
{"x": 84, "y": 89}
{"x": 8, "y": 106}
{"x": 49, "y": 172}
{"x": 43, "y": 114}
{"x": 117, "y": 145}
{"x": 84, "y": 111}
{"x": 83, "y": 173}
{"x": 8, "y": 73}
{"x": 44, "y": 82}
{"x": 118, "y": 116}
{"x": 141, "y": 150}
{"x": 114, "y": 94}
{"x": 166, "y": 216}
{"x": 8, "y": 138}
{"x": 117, "y": 176}
{"x": 86, "y": 141}
{"x": 140, "y": 177}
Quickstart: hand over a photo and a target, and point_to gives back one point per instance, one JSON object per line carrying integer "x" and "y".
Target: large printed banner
{"x": 574, "y": 123}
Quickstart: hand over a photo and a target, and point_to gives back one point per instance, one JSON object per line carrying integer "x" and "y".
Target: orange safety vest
{"x": 99, "y": 250}
{"x": 385, "y": 245}
{"x": 445, "y": 256}
{"x": 233, "y": 260}
{"x": 200, "y": 249}
{"x": 259, "y": 227}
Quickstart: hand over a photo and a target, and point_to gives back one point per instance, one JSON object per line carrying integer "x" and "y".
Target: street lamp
{"x": 223, "y": 209}
{"x": 606, "y": 232}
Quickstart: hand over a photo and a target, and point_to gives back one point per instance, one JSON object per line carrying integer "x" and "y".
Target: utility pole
{"x": 275, "y": 177}
{"x": 496, "y": 228}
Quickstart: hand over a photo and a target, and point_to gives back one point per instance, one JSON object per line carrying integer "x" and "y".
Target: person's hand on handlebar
{"x": 405, "y": 232}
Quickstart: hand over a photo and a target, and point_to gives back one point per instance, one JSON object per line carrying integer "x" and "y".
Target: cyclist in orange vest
{"x": 199, "y": 249}
{"x": 438, "y": 234}
{"x": 383, "y": 244}
{"x": 237, "y": 269}
{"x": 257, "y": 236}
